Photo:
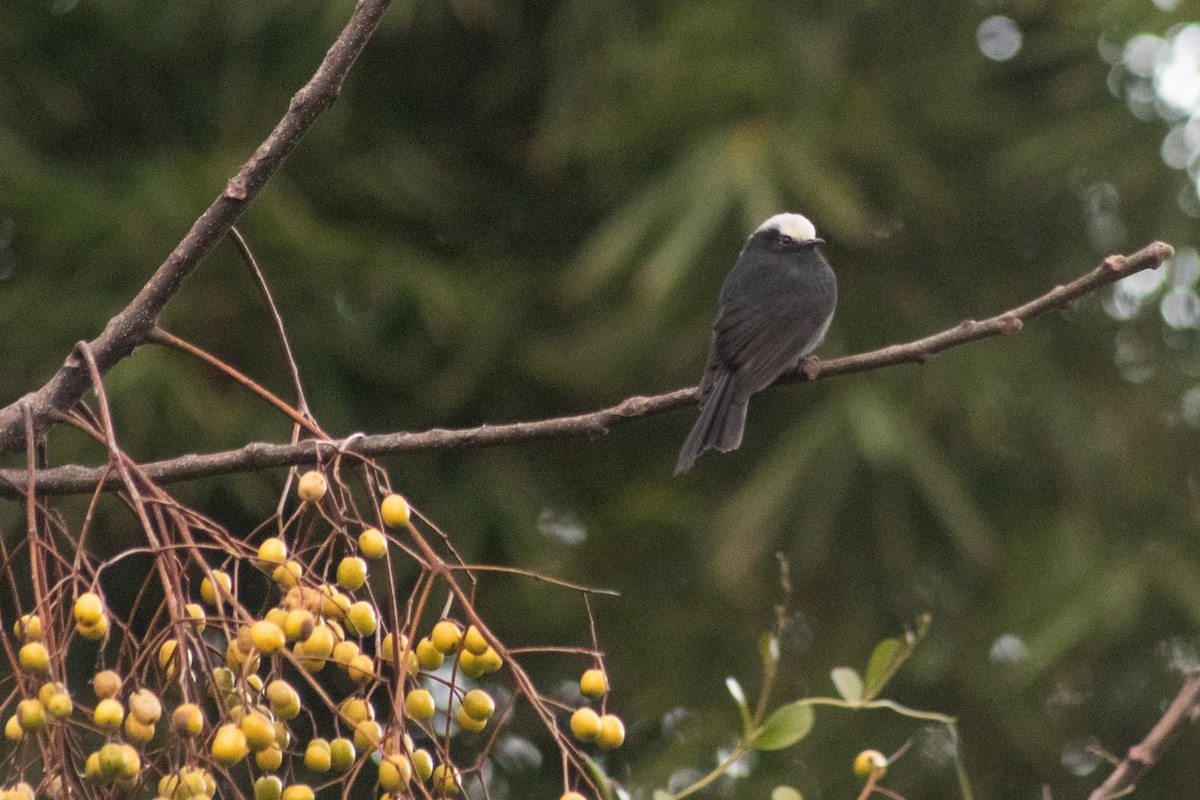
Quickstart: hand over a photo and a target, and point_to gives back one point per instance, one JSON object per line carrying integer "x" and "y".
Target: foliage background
{"x": 526, "y": 209}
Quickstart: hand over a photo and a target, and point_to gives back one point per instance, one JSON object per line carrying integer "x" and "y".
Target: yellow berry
{"x": 283, "y": 698}
{"x": 334, "y": 604}
{"x": 229, "y": 745}
{"x": 445, "y": 779}
{"x": 29, "y": 628}
{"x": 195, "y": 613}
{"x": 298, "y": 624}
{"x": 32, "y": 715}
{"x": 270, "y": 758}
{"x": 137, "y": 731}
{"x": 395, "y": 771}
{"x": 422, "y": 764}
{"x": 473, "y": 641}
{"x": 361, "y": 619}
{"x": 593, "y": 684}
{"x": 870, "y": 762}
{"x": 612, "y": 732}
{"x": 89, "y": 608}
{"x": 373, "y": 543}
{"x": 13, "y": 730}
{"x": 342, "y": 754}
{"x": 272, "y": 551}
{"x": 106, "y": 683}
{"x": 351, "y": 573}
{"x": 361, "y": 668}
{"x": 367, "y": 735}
{"x": 208, "y": 591}
{"x": 491, "y": 660}
{"x": 113, "y": 760}
{"x": 288, "y": 574}
{"x": 355, "y": 710}
{"x": 428, "y": 656}
{"x": 268, "y": 787}
{"x": 267, "y": 636}
{"x": 585, "y": 724}
{"x": 34, "y": 657}
{"x": 319, "y": 643}
{"x": 311, "y": 486}
{"x": 419, "y": 704}
{"x": 317, "y": 756}
{"x": 387, "y": 648}
{"x": 59, "y": 705}
{"x": 446, "y": 636}
{"x": 109, "y": 714}
{"x": 259, "y": 730}
{"x": 298, "y": 791}
{"x": 469, "y": 723}
{"x": 394, "y": 510}
{"x": 479, "y": 704}
{"x": 343, "y": 652}
{"x": 169, "y": 659}
{"x": 188, "y": 720}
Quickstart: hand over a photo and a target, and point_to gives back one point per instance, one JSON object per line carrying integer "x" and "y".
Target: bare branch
{"x": 131, "y": 327}
{"x": 256, "y": 456}
{"x": 1183, "y": 711}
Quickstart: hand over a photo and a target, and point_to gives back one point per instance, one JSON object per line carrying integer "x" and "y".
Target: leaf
{"x": 786, "y": 793}
{"x": 786, "y": 726}
{"x": 739, "y": 697}
{"x": 885, "y": 660}
{"x": 848, "y": 683}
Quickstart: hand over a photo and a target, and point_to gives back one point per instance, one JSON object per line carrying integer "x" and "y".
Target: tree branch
{"x": 256, "y": 456}
{"x": 1183, "y": 711}
{"x": 131, "y": 327}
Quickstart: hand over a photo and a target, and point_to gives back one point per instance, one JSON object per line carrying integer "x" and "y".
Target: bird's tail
{"x": 722, "y": 419}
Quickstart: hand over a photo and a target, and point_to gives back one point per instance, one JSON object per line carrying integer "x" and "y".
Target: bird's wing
{"x": 759, "y": 342}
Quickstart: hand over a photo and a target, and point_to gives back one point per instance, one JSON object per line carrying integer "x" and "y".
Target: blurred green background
{"x": 520, "y": 210}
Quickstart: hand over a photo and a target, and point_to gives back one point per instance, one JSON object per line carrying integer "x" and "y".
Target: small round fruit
{"x": 32, "y": 715}
{"x": 341, "y": 753}
{"x": 267, "y": 636}
{"x": 138, "y": 732}
{"x": 298, "y": 624}
{"x": 113, "y": 760}
{"x": 395, "y": 771}
{"x": 491, "y": 661}
{"x": 473, "y": 641}
{"x": 106, "y": 683}
{"x": 367, "y": 735}
{"x": 446, "y": 636}
{"x": 469, "y": 723}
{"x": 355, "y": 710}
{"x": 188, "y": 720}
{"x": 144, "y": 706}
{"x": 351, "y": 573}
{"x": 394, "y": 510}
{"x": 169, "y": 659}
{"x": 318, "y": 756}
{"x": 29, "y": 628}
{"x": 593, "y": 684}
{"x": 229, "y": 745}
{"x": 272, "y": 551}
{"x": 59, "y": 705}
{"x": 298, "y": 791}
{"x": 34, "y": 657}
{"x": 612, "y": 732}
{"x": 373, "y": 543}
{"x": 445, "y": 779}
{"x": 361, "y": 668}
{"x": 428, "y": 656}
{"x": 312, "y": 486}
{"x": 283, "y": 699}
{"x": 422, "y": 763}
{"x": 195, "y": 613}
{"x": 93, "y": 633}
{"x": 585, "y": 724}
{"x": 208, "y": 590}
{"x": 870, "y": 762}
{"x": 361, "y": 619}
{"x": 319, "y": 643}
{"x": 89, "y": 608}
{"x": 479, "y": 704}
{"x": 419, "y": 704}
{"x": 259, "y": 730}
{"x": 109, "y": 714}
{"x": 270, "y": 758}
{"x": 13, "y": 730}
{"x": 288, "y": 574}
{"x": 268, "y": 787}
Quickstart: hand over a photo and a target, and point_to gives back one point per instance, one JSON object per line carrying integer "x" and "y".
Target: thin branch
{"x": 132, "y": 326}
{"x": 260, "y": 455}
{"x": 1183, "y": 711}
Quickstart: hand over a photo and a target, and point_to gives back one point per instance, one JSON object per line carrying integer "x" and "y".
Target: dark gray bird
{"x": 774, "y": 308}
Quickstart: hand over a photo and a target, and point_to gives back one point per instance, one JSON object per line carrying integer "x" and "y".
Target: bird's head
{"x": 796, "y": 227}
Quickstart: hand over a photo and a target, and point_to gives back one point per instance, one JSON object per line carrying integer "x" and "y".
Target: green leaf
{"x": 739, "y": 697}
{"x": 887, "y": 658}
{"x": 786, "y": 726}
{"x": 848, "y": 683}
{"x": 786, "y": 793}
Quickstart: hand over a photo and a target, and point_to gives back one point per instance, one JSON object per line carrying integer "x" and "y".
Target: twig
{"x": 1183, "y": 711}
{"x": 74, "y": 479}
{"x": 131, "y": 327}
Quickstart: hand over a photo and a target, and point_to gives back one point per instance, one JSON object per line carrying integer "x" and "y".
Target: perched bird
{"x": 774, "y": 309}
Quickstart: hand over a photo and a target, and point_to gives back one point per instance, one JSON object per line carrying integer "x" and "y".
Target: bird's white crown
{"x": 794, "y": 226}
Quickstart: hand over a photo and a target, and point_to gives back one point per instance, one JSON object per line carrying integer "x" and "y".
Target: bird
{"x": 773, "y": 310}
